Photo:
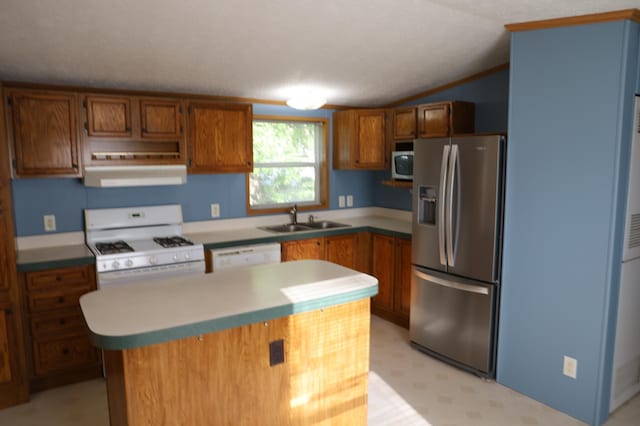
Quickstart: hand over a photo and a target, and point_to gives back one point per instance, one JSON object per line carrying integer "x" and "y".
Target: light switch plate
{"x": 349, "y": 200}
{"x": 215, "y": 210}
{"x": 341, "y": 201}
{"x": 49, "y": 222}
{"x": 570, "y": 367}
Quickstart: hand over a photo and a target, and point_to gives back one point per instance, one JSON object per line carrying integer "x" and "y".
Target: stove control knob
{"x": 186, "y": 256}
{"x": 115, "y": 264}
{"x": 129, "y": 262}
{"x": 153, "y": 260}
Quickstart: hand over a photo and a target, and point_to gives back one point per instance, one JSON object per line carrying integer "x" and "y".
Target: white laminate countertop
{"x": 164, "y": 310}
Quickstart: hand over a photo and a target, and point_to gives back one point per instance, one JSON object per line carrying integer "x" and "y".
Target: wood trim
{"x": 146, "y": 93}
{"x": 593, "y": 18}
{"x": 324, "y": 169}
{"x": 444, "y": 87}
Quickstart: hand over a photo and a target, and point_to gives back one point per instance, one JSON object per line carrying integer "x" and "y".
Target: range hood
{"x": 119, "y": 176}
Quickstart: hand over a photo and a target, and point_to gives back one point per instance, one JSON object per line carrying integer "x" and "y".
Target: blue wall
{"x": 570, "y": 108}
{"x": 490, "y": 95}
{"x": 66, "y": 198}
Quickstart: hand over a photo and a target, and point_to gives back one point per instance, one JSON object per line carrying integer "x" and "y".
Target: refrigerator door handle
{"x": 442, "y": 204}
{"x": 453, "y": 167}
{"x": 451, "y": 284}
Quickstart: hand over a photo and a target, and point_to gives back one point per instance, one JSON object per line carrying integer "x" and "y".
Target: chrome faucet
{"x": 294, "y": 214}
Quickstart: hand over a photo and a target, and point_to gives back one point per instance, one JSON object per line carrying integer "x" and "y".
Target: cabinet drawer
{"x": 63, "y": 322}
{"x": 60, "y": 354}
{"x": 57, "y": 278}
{"x": 41, "y": 302}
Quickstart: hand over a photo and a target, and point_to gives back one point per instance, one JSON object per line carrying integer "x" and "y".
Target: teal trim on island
{"x": 219, "y": 324}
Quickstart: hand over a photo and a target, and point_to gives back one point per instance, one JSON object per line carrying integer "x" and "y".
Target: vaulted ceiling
{"x": 355, "y": 52}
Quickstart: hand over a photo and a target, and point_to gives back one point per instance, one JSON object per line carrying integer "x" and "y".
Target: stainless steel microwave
{"x": 402, "y": 165}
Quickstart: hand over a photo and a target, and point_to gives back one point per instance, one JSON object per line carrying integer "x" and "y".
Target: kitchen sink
{"x": 286, "y": 228}
{"x": 307, "y": 226}
{"x": 325, "y": 224}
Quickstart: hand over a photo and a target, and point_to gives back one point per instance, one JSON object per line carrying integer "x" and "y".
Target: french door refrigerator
{"x": 457, "y": 248}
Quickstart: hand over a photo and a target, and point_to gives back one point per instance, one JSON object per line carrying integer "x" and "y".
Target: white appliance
{"x": 137, "y": 244}
{"x": 626, "y": 358}
{"x": 234, "y": 257}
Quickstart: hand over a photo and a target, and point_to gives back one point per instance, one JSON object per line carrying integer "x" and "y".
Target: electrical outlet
{"x": 341, "y": 201}
{"x": 349, "y": 200}
{"x": 215, "y": 210}
{"x": 570, "y": 367}
{"x": 49, "y": 222}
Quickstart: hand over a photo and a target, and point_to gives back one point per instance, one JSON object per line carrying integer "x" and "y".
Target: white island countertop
{"x": 160, "y": 311}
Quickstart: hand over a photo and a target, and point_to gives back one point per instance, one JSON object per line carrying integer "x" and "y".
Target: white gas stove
{"x": 136, "y": 244}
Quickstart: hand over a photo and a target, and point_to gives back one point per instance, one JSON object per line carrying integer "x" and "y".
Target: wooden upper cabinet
{"x": 109, "y": 116}
{"x": 444, "y": 119}
{"x": 404, "y": 123}
{"x": 220, "y": 137}
{"x": 43, "y": 133}
{"x": 359, "y": 139}
{"x": 122, "y": 129}
{"x": 160, "y": 118}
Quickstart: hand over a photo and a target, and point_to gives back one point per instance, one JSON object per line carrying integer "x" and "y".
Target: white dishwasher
{"x": 235, "y": 257}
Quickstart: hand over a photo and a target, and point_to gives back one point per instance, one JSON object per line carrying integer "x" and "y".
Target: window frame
{"x": 323, "y": 167}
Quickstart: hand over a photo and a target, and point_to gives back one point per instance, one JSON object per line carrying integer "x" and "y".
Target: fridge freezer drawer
{"x": 454, "y": 318}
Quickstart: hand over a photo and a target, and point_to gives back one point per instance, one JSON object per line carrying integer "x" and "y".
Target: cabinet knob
{"x": 61, "y": 299}
{"x": 58, "y": 278}
{"x": 65, "y": 351}
{"x": 62, "y": 322}
{"x": 248, "y": 163}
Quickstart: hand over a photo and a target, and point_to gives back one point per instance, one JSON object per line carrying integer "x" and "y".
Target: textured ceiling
{"x": 355, "y": 52}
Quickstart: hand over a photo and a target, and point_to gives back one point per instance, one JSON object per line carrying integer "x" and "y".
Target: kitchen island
{"x": 284, "y": 344}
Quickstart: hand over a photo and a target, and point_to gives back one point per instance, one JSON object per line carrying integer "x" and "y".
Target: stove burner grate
{"x": 113, "y": 247}
{"x": 176, "y": 241}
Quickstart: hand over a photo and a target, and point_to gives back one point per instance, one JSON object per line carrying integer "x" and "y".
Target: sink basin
{"x": 287, "y": 228}
{"x": 325, "y": 224}
{"x": 307, "y": 226}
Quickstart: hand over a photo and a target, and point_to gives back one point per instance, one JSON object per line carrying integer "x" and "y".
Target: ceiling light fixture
{"x": 307, "y": 101}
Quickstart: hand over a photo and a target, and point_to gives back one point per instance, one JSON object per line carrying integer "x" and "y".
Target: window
{"x": 289, "y": 164}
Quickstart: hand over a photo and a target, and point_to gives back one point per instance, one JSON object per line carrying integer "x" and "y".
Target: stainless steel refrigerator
{"x": 457, "y": 248}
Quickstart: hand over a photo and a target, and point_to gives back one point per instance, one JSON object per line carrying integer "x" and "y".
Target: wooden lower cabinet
{"x": 349, "y": 250}
{"x": 58, "y": 346}
{"x": 13, "y": 386}
{"x": 391, "y": 265}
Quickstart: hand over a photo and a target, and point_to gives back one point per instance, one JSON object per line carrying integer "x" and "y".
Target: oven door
{"x": 138, "y": 275}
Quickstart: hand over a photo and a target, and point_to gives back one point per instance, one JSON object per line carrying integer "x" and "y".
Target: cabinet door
{"x": 6, "y": 259}
{"x": 370, "y": 133}
{"x": 382, "y": 269}
{"x": 310, "y": 248}
{"x": 109, "y": 116}
{"x": 160, "y": 119}
{"x": 434, "y": 120}
{"x": 404, "y": 123}
{"x": 6, "y": 363}
{"x": 341, "y": 249}
{"x": 220, "y": 138}
{"x": 403, "y": 277}
{"x": 44, "y": 132}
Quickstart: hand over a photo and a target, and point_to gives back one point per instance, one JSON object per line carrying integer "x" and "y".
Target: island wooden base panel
{"x": 225, "y": 378}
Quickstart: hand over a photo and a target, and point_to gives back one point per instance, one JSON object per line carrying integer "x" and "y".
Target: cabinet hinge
{"x": 84, "y": 103}
{"x": 86, "y": 127}
{"x": 180, "y": 110}
{"x": 10, "y": 100}
{"x": 8, "y": 311}
{"x": 190, "y": 162}
{"x": 13, "y": 163}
